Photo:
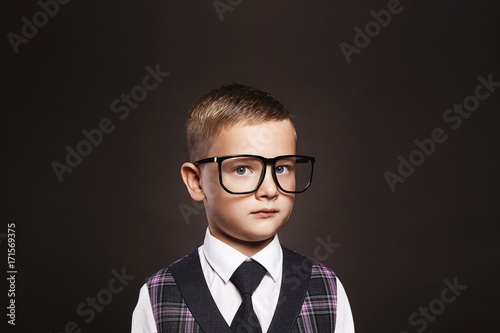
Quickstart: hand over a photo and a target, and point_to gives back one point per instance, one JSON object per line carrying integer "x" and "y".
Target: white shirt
{"x": 218, "y": 262}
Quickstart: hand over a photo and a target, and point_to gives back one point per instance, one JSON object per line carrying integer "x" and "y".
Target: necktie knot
{"x": 248, "y": 276}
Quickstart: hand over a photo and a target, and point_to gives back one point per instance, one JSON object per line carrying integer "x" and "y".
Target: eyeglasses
{"x": 243, "y": 174}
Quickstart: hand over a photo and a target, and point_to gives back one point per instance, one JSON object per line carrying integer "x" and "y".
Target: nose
{"x": 268, "y": 188}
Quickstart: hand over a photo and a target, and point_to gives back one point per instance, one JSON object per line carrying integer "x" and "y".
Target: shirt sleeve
{"x": 143, "y": 320}
{"x": 344, "y": 322}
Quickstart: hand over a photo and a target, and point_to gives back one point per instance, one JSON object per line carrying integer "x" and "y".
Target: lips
{"x": 265, "y": 212}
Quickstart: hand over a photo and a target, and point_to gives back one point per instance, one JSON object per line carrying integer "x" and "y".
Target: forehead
{"x": 269, "y": 139}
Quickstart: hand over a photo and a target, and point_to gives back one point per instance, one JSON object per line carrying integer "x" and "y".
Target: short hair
{"x": 225, "y": 107}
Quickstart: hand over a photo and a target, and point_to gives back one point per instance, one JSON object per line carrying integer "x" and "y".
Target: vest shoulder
{"x": 165, "y": 274}
{"x": 320, "y": 269}
{"x": 317, "y": 268}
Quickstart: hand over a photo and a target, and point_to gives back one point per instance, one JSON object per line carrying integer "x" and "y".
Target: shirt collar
{"x": 225, "y": 260}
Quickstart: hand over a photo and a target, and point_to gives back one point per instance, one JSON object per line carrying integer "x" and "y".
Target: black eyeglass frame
{"x": 266, "y": 161}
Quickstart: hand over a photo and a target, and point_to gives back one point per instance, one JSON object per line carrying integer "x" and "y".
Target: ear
{"x": 191, "y": 177}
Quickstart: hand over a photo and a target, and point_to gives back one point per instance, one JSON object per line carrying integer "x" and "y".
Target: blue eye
{"x": 241, "y": 170}
{"x": 281, "y": 169}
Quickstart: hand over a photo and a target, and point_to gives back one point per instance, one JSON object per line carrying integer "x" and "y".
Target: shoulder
{"x": 316, "y": 268}
{"x": 320, "y": 269}
{"x": 164, "y": 276}
{"x": 321, "y": 280}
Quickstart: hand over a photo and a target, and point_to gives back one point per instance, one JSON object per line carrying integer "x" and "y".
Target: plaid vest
{"x": 182, "y": 302}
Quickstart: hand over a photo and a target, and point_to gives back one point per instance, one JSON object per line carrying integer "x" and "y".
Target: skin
{"x": 233, "y": 219}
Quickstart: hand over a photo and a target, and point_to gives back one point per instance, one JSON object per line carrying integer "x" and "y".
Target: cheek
{"x": 288, "y": 198}
{"x": 211, "y": 186}
{"x": 226, "y": 206}
{"x": 288, "y": 203}
{"x": 233, "y": 204}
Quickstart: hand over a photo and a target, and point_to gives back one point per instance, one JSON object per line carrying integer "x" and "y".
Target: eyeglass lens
{"x": 243, "y": 174}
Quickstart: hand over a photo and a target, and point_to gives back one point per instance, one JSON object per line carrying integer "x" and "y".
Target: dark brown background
{"x": 120, "y": 207}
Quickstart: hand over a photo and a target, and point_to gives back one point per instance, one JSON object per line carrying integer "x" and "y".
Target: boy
{"x": 246, "y": 172}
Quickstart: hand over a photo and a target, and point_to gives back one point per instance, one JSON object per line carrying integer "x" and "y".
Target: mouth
{"x": 266, "y": 212}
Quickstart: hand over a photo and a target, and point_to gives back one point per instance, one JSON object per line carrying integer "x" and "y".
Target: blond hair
{"x": 225, "y": 107}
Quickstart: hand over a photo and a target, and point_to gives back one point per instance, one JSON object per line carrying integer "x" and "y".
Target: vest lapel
{"x": 193, "y": 287}
{"x": 295, "y": 281}
{"x": 189, "y": 278}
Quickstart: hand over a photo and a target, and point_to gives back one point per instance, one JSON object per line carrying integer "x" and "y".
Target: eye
{"x": 281, "y": 169}
{"x": 241, "y": 170}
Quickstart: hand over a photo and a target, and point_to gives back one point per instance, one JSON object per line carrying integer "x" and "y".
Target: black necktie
{"x": 247, "y": 278}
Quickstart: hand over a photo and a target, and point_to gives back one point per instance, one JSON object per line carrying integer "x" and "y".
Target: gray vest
{"x": 182, "y": 302}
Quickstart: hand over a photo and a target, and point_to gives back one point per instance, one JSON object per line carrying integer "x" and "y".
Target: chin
{"x": 264, "y": 233}
{"x": 259, "y": 238}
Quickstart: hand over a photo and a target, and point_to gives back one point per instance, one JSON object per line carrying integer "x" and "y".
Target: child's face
{"x": 234, "y": 219}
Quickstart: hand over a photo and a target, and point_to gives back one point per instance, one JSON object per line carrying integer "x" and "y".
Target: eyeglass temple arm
{"x": 206, "y": 160}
